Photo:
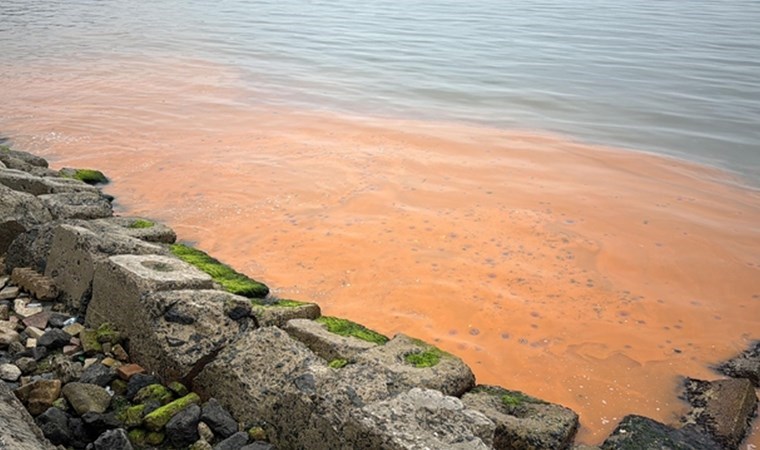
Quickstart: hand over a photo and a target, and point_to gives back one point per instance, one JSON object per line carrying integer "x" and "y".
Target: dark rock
{"x": 55, "y": 338}
{"x": 138, "y": 382}
{"x": 97, "y": 423}
{"x": 173, "y": 315}
{"x": 27, "y": 364}
{"x": 182, "y": 429}
{"x": 98, "y": 374}
{"x": 218, "y": 419}
{"x": 722, "y": 409}
{"x": 746, "y": 365}
{"x": 259, "y": 445}
{"x": 79, "y": 435}
{"x": 638, "y": 433}
{"x": 58, "y": 320}
{"x": 234, "y": 442}
{"x": 113, "y": 440}
{"x": 54, "y": 424}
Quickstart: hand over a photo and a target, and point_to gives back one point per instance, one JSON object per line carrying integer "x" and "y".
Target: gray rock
{"x": 8, "y": 337}
{"x": 523, "y": 422}
{"x": 745, "y": 365}
{"x": 9, "y": 293}
{"x": 234, "y": 442}
{"x": 19, "y": 212}
{"x": 31, "y": 248}
{"x": 723, "y": 409}
{"x": 419, "y": 419}
{"x": 26, "y": 157}
{"x": 36, "y": 185}
{"x": 86, "y": 398}
{"x": 54, "y": 424}
{"x": 73, "y": 253}
{"x": 328, "y": 345}
{"x": 19, "y": 432}
{"x": 77, "y": 205}
{"x": 278, "y": 316}
{"x": 158, "y": 233}
{"x": 139, "y": 381}
{"x": 182, "y": 429}
{"x": 637, "y": 432}
{"x": 259, "y": 446}
{"x": 55, "y": 338}
{"x": 171, "y": 345}
{"x": 9, "y": 372}
{"x": 98, "y": 374}
{"x": 26, "y": 364}
{"x": 218, "y": 419}
{"x": 113, "y": 440}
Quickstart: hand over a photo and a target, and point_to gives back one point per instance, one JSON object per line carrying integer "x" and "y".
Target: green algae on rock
{"x": 231, "y": 280}
{"x": 509, "y": 398}
{"x": 89, "y": 176}
{"x": 141, "y": 223}
{"x": 345, "y": 327}
{"x": 161, "y": 416}
{"x": 338, "y": 363}
{"x": 155, "y": 392}
{"x": 428, "y": 356}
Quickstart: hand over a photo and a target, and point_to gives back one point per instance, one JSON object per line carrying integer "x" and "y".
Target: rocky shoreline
{"x": 112, "y": 336}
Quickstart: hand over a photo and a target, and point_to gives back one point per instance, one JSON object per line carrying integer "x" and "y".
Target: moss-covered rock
{"x": 132, "y": 416}
{"x": 257, "y": 434}
{"x": 231, "y": 280}
{"x": 158, "y": 418}
{"x": 89, "y": 176}
{"x": 344, "y": 327}
{"x": 178, "y": 388}
{"x": 106, "y": 333}
{"x": 137, "y": 437}
{"x": 155, "y": 392}
{"x": 141, "y": 223}
{"x": 338, "y": 363}
{"x": 89, "y": 340}
{"x": 154, "y": 438}
{"x": 119, "y": 386}
{"x": 426, "y": 358}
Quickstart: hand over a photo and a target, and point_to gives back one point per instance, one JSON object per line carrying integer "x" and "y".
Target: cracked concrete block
{"x": 145, "y": 230}
{"x": 77, "y": 205}
{"x": 119, "y": 283}
{"x": 73, "y": 254}
{"x": 327, "y": 345}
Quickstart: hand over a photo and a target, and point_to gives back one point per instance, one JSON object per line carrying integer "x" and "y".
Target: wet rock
{"x": 113, "y": 440}
{"x": 420, "y": 418}
{"x": 55, "y": 338}
{"x": 86, "y": 398}
{"x": 9, "y": 372}
{"x": 523, "y": 422}
{"x": 54, "y": 424}
{"x": 722, "y": 409}
{"x": 77, "y": 205}
{"x": 218, "y": 419}
{"x": 182, "y": 429}
{"x": 234, "y": 442}
{"x": 98, "y": 374}
{"x": 638, "y": 432}
{"x": 745, "y": 365}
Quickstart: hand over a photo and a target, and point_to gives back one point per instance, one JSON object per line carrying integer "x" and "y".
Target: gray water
{"x": 678, "y": 77}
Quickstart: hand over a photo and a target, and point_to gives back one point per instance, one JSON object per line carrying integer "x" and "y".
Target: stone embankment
{"x": 112, "y": 336}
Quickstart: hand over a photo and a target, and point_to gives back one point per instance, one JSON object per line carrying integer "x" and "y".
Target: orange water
{"x": 587, "y": 276}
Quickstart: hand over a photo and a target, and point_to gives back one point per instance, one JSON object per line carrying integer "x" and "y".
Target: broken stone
{"x": 638, "y": 432}
{"x": 745, "y": 365}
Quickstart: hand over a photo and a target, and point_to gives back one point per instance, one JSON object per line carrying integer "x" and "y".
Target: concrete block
{"x": 327, "y": 345}
{"x": 278, "y": 316}
{"x": 157, "y": 232}
{"x": 19, "y": 212}
{"x": 77, "y": 205}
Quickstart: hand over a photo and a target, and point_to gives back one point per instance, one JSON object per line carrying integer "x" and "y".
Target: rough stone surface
{"x": 234, "y": 442}
{"x": 54, "y": 424}
{"x": 278, "y": 316}
{"x": 745, "y": 365}
{"x": 268, "y": 376}
{"x": 420, "y": 419}
{"x": 18, "y": 213}
{"x": 218, "y": 419}
{"x": 41, "y": 287}
{"x": 9, "y": 372}
{"x": 138, "y": 382}
{"x": 523, "y": 422}
{"x": 39, "y": 395}
{"x": 19, "y": 432}
{"x": 259, "y": 446}
{"x": 36, "y": 185}
{"x": 158, "y": 233}
{"x": 723, "y": 409}
{"x": 327, "y": 345}
{"x": 113, "y": 440}
{"x": 86, "y": 398}
{"x": 55, "y": 338}
{"x": 173, "y": 333}
{"x": 28, "y": 158}
{"x": 639, "y": 433}
{"x": 77, "y": 205}
{"x": 450, "y": 376}
{"x": 182, "y": 429}
{"x": 98, "y": 374}
{"x": 73, "y": 254}
{"x": 9, "y": 293}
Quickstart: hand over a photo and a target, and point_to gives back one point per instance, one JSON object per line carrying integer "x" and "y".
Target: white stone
{"x": 24, "y": 308}
{"x": 34, "y": 332}
{"x": 31, "y": 343}
{"x": 9, "y": 372}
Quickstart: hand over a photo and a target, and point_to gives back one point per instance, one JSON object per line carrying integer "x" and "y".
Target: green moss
{"x": 178, "y": 388}
{"x": 158, "y": 418}
{"x": 61, "y": 404}
{"x": 155, "y": 392}
{"x": 338, "y": 363}
{"x": 154, "y": 438}
{"x": 137, "y": 437}
{"x": 277, "y": 303}
{"x": 107, "y": 333}
{"x": 231, "y": 280}
{"x": 344, "y": 327}
{"x": 426, "y": 358}
{"x": 89, "y": 340}
{"x": 508, "y": 398}
{"x": 257, "y": 434}
{"x": 5, "y": 149}
{"x": 89, "y": 176}
{"x": 119, "y": 386}
{"x": 119, "y": 404}
{"x": 132, "y": 416}
{"x": 141, "y": 223}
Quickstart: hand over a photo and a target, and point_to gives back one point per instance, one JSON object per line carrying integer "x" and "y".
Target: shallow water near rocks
{"x": 586, "y": 275}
